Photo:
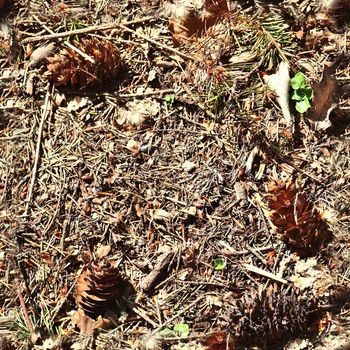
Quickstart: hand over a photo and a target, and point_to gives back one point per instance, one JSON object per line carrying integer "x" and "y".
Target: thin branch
{"x": 25, "y": 311}
{"x": 37, "y": 152}
{"x": 83, "y": 30}
{"x": 264, "y": 273}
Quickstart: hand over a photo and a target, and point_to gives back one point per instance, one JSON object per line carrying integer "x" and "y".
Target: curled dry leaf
{"x": 103, "y": 250}
{"x": 138, "y": 111}
{"x": 40, "y": 54}
{"x": 324, "y": 97}
{"x": 279, "y": 84}
{"x": 310, "y": 275}
{"x": 86, "y": 324}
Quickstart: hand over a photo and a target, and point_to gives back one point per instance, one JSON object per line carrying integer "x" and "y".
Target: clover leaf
{"x": 302, "y": 92}
{"x": 303, "y": 105}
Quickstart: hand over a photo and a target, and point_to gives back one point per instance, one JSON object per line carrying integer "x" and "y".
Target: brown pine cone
{"x": 69, "y": 68}
{"x": 97, "y": 287}
{"x": 273, "y": 315}
{"x": 295, "y": 218}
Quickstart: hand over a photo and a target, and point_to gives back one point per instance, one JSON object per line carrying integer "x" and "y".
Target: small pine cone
{"x": 97, "y": 287}
{"x": 189, "y": 22}
{"x": 295, "y": 218}
{"x": 273, "y": 315}
{"x": 69, "y": 68}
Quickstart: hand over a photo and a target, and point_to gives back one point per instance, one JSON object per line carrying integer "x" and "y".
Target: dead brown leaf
{"x": 102, "y": 251}
{"x": 40, "y": 54}
{"x": 324, "y": 95}
{"x": 87, "y": 324}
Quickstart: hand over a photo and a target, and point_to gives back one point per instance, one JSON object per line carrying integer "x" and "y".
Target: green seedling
{"x": 182, "y": 329}
{"x": 302, "y": 92}
{"x": 169, "y": 99}
{"x": 219, "y": 264}
{"x": 179, "y": 330}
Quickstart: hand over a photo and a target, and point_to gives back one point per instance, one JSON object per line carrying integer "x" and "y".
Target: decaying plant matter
{"x": 295, "y": 218}
{"x": 99, "y": 62}
{"x": 156, "y": 168}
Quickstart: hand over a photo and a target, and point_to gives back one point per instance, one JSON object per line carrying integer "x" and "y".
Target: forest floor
{"x": 174, "y": 175}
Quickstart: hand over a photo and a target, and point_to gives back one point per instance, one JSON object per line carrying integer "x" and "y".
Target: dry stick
{"x": 165, "y": 323}
{"x": 68, "y": 218}
{"x": 37, "y": 153}
{"x": 264, "y": 273}
{"x": 83, "y": 30}
{"x": 25, "y": 311}
{"x": 143, "y": 315}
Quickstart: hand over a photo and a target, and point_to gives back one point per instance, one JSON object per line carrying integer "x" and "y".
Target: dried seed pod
{"x": 97, "y": 287}
{"x": 98, "y": 62}
{"x": 295, "y": 218}
{"x": 273, "y": 315}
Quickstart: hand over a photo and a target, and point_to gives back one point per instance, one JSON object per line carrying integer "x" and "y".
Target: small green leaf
{"x": 308, "y": 93}
{"x": 298, "y": 81}
{"x": 167, "y": 333}
{"x": 169, "y": 99}
{"x": 219, "y": 264}
{"x": 296, "y": 96}
{"x": 303, "y": 105}
{"x": 182, "y": 329}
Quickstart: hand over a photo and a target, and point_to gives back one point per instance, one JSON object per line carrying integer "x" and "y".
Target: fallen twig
{"x": 25, "y": 311}
{"x": 264, "y": 273}
{"x": 90, "y": 29}
{"x": 153, "y": 277}
{"x": 37, "y": 153}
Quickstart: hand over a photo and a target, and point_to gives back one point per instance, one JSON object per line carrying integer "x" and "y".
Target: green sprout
{"x": 169, "y": 99}
{"x": 302, "y": 92}
{"x": 182, "y": 329}
{"x": 219, "y": 264}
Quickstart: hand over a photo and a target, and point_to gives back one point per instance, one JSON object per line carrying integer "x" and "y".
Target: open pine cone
{"x": 69, "y": 68}
{"x": 97, "y": 287}
{"x": 190, "y": 21}
{"x": 273, "y": 315}
{"x": 295, "y": 218}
